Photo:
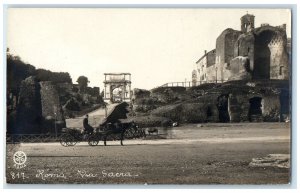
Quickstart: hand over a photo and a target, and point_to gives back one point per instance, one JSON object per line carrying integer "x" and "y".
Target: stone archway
{"x": 117, "y": 94}
{"x": 117, "y": 87}
{"x": 223, "y": 109}
{"x": 270, "y": 54}
{"x": 255, "y": 109}
{"x": 262, "y": 55}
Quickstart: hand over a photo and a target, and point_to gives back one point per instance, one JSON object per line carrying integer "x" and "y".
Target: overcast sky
{"x": 155, "y": 45}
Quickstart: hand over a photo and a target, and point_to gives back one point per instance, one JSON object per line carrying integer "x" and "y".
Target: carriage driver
{"x": 87, "y": 128}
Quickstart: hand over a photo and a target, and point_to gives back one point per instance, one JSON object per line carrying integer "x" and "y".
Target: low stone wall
{"x": 193, "y": 112}
{"x": 202, "y": 103}
{"x": 168, "y": 95}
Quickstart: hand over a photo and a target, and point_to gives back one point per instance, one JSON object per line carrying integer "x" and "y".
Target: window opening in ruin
{"x": 255, "y": 111}
{"x": 281, "y": 70}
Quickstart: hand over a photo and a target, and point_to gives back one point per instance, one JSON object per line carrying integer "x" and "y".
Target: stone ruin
{"x": 234, "y": 101}
{"x": 261, "y": 53}
{"x": 38, "y": 108}
{"x": 52, "y": 112}
{"x": 29, "y": 107}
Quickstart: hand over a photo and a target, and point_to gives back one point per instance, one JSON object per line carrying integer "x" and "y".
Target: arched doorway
{"x": 117, "y": 87}
{"x": 223, "y": 109}
{"x": 117, "y": 95}
{"x": 262, "y": 55}
{"x": 284, "y": 105}
{"x": 255, "y": 109}
{"x": 209, "y": 114}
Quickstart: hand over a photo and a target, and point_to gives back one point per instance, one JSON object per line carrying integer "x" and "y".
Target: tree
{"x": 55, "y": 77}
{"x": 83, "y": 83}
{"x": 17, "y": 71}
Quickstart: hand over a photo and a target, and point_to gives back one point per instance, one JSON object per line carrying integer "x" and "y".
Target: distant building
{"x": 251, "y": 53}
{"x": 206, "y": 66}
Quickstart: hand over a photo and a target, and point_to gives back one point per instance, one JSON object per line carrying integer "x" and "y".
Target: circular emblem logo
{"x": 20, "y": 159}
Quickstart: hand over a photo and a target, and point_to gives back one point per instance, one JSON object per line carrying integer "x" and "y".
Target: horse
{"x": 117, "y": 128}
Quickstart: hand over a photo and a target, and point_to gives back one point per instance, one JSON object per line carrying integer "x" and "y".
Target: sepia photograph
{"x": 148, "y": 96}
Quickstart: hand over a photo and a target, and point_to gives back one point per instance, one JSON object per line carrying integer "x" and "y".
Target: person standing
{"x": 87, "y": 128}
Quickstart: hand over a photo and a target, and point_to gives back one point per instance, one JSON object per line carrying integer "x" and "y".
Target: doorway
{"x": 223, "y": 109}
{"x": 255, "y": 111}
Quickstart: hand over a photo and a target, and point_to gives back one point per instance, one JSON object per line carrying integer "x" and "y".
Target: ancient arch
{"x": 270, "y": 55}
{"x": 262, "y": 55}
{"x": 255, "y": 109}
{"x": 117, "y": 87}
{"x": 223, "y": 108}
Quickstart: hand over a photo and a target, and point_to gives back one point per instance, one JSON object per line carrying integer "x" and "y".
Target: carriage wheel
{"x": 65, "y": 140}
{"x": 72, "y": 140}
{"x": 129, "y": 133}
{"x": 93, "y": 141}
{"x": 72, "y": 143}
{"x": 64, "y": 143}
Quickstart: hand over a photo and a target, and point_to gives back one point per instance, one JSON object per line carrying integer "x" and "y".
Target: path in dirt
{"x": 95, "y": 117}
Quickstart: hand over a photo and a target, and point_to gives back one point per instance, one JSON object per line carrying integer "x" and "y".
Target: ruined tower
{"x": 247, "y": 23}
{"x": 279, "y": 64}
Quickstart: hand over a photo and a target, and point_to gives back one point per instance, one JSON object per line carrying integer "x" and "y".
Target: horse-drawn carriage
{"x": 107, "y": 131}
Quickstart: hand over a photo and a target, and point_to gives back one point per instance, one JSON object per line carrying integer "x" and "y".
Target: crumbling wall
{"x": 203, "y": 103}
{"x": 240, "y": 69}
{"x": 234, "y": 109}
{"x": 51, "y": 108}
{"x": 145, "y": 101}
{"x": 50, "y": 101}
{"x": 202, "y": 109}
{"x": 29, "y": 111}
{"x": 243, "y": 103}
{"x": 244, "y": 46}
{"x": 271, "y": 57}
{"x": 271, "y": 108}
{"x": 225, "y": 51}
{"x": 278, "y": 58}
{"x": 225, "y": 45}
{"x": 169, "y": 94}
{"x": 239, "y": 107}
{"x": 190, "y": 112}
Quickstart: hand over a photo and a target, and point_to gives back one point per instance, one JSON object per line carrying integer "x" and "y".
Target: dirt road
{"x": 191, "y": 154}
{"x": 95, "y": 117}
